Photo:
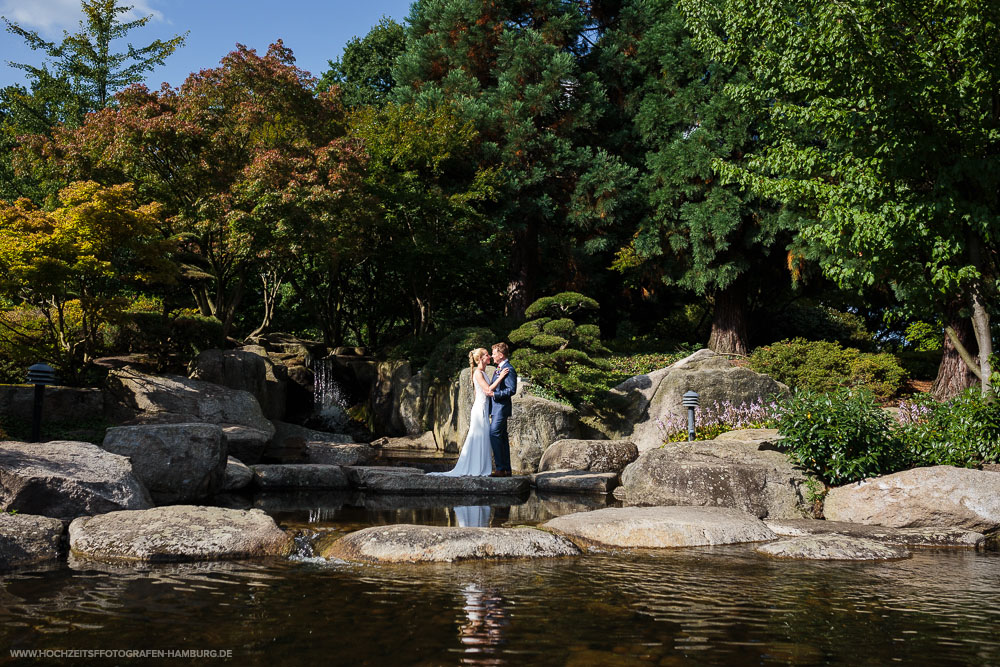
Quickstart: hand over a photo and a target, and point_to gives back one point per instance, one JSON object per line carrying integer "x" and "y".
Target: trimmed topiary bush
{"x": 560, "y": 349}
{"x": 824, "y": 366}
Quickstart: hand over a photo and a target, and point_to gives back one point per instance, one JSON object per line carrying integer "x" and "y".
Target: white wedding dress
{"x": 476, "y": 458}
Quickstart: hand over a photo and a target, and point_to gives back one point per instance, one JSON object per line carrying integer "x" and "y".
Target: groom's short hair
{"x": 502, "y": 347}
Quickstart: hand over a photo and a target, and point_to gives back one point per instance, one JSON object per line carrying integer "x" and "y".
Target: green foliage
{"x": 923, "y": 337}
{"x": 170, "y": 340}
{"x": 840, "y": 437}
{"x": 819, "y": 322}
{"x": 562, "y": 355}
{"x": 451, "y": 354}
{"x": 964, "y": 431}
{"x": 823, "y": 366}
{"x": 364, "y": 72}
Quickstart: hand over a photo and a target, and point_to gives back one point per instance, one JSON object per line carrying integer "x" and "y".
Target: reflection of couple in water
{"x": 486, "y": 620}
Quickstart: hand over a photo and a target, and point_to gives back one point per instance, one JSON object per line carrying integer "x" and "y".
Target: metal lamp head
{"x": 690, "y": 399}
{"x": 42, "y": 374}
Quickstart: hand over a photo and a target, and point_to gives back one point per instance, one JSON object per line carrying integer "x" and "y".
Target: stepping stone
{"x": 832, "y": 546}
{"x": 908, "y": 537}
{"x": 238, "y": 475}
{"x": 178, "y": 533}
{"x": 439, "y": 544}
{"x": 300, "y": 476}
{"x": 340, "y": 454}
{"x": 575, "y": 481}
{"x": 388, "y": 482}
{"x": 358, "y": 475}
{"x": 26, "y": 539}
{"x": 659, "y": 527}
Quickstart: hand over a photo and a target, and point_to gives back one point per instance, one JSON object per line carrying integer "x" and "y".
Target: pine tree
{"x": 514, "y": 69}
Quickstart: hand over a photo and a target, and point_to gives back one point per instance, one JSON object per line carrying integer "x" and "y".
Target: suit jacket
{"x": 500, "y": 404}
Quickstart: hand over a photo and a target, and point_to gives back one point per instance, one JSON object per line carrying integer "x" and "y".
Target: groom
{"x": 500, "y": 409}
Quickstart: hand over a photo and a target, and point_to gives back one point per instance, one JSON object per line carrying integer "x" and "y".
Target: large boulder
{"x": 392, "y": 379}
{"x": 238, "y": 475}
{"x": 575, "y": 481}
{"x": 536, "y": 423}
{"x": 65, "y": 479}
{"x": 592, "y": 455}
{"x": 175, "y": 462}
{"x": 832, "y": 546}
{"x": 245, "y": 443}
{"x": 659, "y": 527}
{"x": 937, "y": 496}
{"x": 26, "y": 539}
{"x": 177, "y": 399}
{"x": 656, "y": 396}
{"x": 907, "y": 537}
{"x": 249, "y": 369}
{"x": 414, "y": 544}
{"x": 300, "y": 476}
{"x": 745, "y": 475}
{"x": 451, "y": 408}
{"x": 178, "y": 533}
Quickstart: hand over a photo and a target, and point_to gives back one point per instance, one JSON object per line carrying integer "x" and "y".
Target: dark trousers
{"x": 499, "y": 442}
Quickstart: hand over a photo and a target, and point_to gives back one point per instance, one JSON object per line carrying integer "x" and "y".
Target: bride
{"x": 476, "y": 457}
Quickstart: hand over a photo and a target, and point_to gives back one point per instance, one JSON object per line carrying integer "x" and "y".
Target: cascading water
{"x": 329, "y": 401}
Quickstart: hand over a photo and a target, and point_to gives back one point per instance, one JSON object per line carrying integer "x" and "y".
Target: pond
{"x": 719, "y": 605}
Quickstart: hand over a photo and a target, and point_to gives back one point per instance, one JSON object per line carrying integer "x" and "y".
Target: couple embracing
{"x": 488, "y": 422}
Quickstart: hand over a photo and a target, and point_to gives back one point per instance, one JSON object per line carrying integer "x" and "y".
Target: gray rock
{"x": 422, "y": 442}
{"x": 575, "y": 481}
{"x": 175, "y": 462}
{"x": 238, "y": 475}
{"x": 542, "y": 506}
{"x": 657, "y": 395}
{"x": 392, "y": 379}
{"x": 658, "y": 527}
{"x": 592, "y": 455}
{"x": 178, "y": 533}
{"x": 450, "y": 407}
{"x": 328, "y": 453}
{"x": 177, "y": 399}
{"x": 65, "y": 479}
{"x": 718, "y": 473}
{"x": 300, "y": 476}
{"x": 358, "y": 475}
{"x": 26, "y": 539}
{"x": 942, "y": 496}
{"x": 416, "y": 544}
{"x": 18, "y": 401}
{"x": 908, "y": 537}
{"x": 290, "y": 442}
{"x": 248, "y": 369}
{"x": 382, "y": 482}
{"x": 536, "y": 423}
{"x": 245, "y": 443}
{"x": 832, "y": 546}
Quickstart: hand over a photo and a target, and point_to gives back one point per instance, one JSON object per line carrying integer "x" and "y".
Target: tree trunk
{"x": 953, "y": 376}
{"x": 271, "y": 286}
{"x": 729, "y": 320}
{"x": 523, "y": 268}
{"x": 981, "y": 316}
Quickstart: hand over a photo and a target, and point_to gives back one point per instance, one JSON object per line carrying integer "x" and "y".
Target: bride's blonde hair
{"x": 475, "y": 355}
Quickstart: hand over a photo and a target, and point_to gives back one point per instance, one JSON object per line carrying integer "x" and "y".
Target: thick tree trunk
{"x": 729, "y": 320}
{"x": 981, "y": 317}
{"x": 523, "y": 269}
{"x": 953, "y": 375}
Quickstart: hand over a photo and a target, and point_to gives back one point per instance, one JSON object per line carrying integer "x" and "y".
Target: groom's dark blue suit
{"x": 500, "y": 409}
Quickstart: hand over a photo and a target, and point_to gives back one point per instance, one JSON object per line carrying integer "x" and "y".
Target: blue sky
{"x": 315, "y": 30}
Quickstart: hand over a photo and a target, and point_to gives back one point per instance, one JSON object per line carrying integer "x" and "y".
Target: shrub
{"x": 815, "y": 322}
{"x": 559, "y": 350}
{"x": 823, "y": 366}
{"x": 963, "y": 432}
{"x": 842, "y": 436}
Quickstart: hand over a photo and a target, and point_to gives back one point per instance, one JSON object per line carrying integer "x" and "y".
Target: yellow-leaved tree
{"x": 76, "y": 265}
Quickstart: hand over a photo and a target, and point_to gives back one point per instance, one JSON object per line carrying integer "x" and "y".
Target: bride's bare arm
{"x": 500, "y": 376}
{"x": 480, "y": 378}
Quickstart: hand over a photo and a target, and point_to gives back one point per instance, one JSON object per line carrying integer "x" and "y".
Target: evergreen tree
{"x": 364, "y": 72}
{"x": 514, "y": 68}
{"x": 698, "y": 233}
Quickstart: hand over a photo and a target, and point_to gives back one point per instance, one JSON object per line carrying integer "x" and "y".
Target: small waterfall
{"x": 329, "y": 400}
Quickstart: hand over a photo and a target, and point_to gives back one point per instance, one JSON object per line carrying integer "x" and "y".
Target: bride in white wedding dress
{"x": 476, "y": 458}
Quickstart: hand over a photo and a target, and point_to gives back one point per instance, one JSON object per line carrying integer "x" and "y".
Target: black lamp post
{"x": 690, "y": 401}
{"x": 39, "y": 375}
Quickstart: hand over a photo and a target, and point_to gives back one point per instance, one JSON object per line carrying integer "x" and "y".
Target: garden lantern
{"x": 690, "y": 401}
{"x": 39, "y": 375}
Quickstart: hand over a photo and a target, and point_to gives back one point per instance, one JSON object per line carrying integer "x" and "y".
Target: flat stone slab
{"x": 661, "y": 527}
{"x": 26, "y": 539}
{"x": 358, "y": 475}
{"x": 300, "y": 476}
{"x": 66, "y": 479}
{"x": 339, "y": 454}
{"x": 907, "y": 537}
{"x": 178, "y": 533}
{"x": 441, "y": 544}
{"x": 386, "y": 482}
{"x": 575, "y": 481}
{"x": 833, "y": 546}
